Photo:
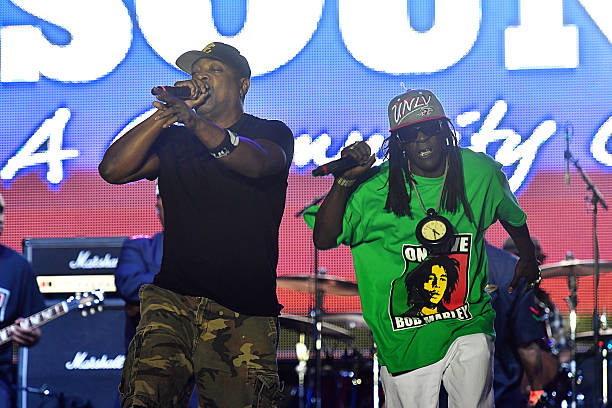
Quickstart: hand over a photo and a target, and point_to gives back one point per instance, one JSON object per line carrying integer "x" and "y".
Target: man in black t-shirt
{"x": 210, "y": 316}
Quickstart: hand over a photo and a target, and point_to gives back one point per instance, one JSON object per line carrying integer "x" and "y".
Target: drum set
{"x": 346, "y": 374}
{"x": 582, "y": 379}
{"x": 351, "y": 378}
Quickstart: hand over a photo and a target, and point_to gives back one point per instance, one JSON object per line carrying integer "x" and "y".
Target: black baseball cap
{"x": 219, "y": 51}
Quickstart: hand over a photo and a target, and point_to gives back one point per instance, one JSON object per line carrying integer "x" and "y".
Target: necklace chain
{"x": 441, "y": 189}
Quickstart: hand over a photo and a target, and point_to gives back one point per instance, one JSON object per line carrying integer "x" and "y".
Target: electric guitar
{"x": 86, "y": 300}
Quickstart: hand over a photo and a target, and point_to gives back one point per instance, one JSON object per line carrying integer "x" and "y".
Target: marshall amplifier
{"x": 77, "y": 362}
{"x": 69, "y": 265}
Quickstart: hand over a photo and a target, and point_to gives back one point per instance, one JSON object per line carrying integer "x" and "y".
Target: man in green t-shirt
{"x": 416, "y": 228}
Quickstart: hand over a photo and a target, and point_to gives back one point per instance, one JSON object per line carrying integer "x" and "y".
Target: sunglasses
{"x": 429, "y": 128}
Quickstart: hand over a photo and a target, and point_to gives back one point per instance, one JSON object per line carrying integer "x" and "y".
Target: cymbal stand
{"x": 45, "y": 393}
{"x": 316, "y": 314}
{"x": 44, "y": 390}
{"x": 596, "y": 199}
{"x": 572, "y": 302}
{"x": 302, "y": 352}
{"x": 375, "y": 375}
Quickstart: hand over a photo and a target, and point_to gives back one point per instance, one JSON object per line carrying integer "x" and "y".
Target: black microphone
{"x": 567, "y": 156}
{"x": 336, "y": 166}
{"x": 182, "y": 92}
{"x": 314, "y": 202}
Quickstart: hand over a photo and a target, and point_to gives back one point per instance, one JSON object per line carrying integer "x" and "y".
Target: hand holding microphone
{"x": 190, "y": 89}
{"x": 355, "y": 159}
{"x": 175, "y": 104}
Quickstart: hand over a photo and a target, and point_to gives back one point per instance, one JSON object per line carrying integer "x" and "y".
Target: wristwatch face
{"x": 434, "y": 230}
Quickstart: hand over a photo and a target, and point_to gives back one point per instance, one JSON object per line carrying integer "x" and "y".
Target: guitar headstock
{"x": 86, "y": 301}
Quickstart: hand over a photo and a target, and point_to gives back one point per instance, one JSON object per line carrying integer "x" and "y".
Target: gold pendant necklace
{"x": 434, "y": 231}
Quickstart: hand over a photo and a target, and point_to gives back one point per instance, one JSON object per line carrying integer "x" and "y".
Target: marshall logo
{"x": 81, "y": 362}
{"x": 84, "y": 260}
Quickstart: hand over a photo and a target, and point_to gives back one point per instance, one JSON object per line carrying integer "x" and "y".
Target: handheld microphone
{"x": 567, "y": 156}
{"x": 335, "y": 166}
{"x": 182, "y": 92}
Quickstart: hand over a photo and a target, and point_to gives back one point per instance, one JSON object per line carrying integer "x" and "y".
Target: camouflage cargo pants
{"x": 182, "y": 340}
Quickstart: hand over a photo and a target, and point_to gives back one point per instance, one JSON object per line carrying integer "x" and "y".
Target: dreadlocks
{"x": 453, "y": 191}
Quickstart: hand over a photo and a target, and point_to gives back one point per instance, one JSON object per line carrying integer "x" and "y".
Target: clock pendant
{"x": 434, "y": 231}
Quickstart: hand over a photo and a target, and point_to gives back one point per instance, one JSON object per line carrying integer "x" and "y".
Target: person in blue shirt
{"x": 556, "y": 326}
{"x": 520, "y": 342}
{"x": 19, "y": 298}
{"x": 139, "y": 262}
{"x": 520, "y": 335}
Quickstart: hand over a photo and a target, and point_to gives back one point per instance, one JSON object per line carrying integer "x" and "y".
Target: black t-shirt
{"x": 221, "y": 228}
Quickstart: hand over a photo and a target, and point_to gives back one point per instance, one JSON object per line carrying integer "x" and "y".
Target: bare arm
{"x": 540, "y": 365}
{"x": 328, "y": 221}
{"x": 527, "y": 265}
{"x": 128, "y": 158}
{"x": 251, "y": 158}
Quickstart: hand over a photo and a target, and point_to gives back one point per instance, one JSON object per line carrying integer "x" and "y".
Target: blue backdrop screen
{"x": 514, "y": 76}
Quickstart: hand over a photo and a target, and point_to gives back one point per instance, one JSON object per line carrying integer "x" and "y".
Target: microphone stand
{"x": 572, "y": 302}
{"x": 596, "y": 199}
{"x": 316, "y": 314}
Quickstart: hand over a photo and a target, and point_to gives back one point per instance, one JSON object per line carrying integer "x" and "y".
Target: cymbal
{"x": 581, "y": 267}
{"x": 328, "y": 284}
{"x": 304, "y": 324}
{"x": 588, "y": 335}
{"x": 350, "y": 320}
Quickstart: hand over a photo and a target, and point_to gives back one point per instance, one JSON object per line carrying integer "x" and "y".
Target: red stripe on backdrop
{"x": 85, "y": 205}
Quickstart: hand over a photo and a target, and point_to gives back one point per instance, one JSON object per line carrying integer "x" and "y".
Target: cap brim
{"x": 185, "y": 61}
{"x": 418, "y": 121}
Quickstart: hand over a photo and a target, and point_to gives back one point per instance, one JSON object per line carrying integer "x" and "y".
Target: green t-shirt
{"x": 413, "y": 326}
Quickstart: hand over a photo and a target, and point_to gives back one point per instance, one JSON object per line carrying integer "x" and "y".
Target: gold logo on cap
{"x": 208, "y": 48}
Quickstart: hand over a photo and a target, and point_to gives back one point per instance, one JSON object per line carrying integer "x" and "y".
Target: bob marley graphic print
{"x": 431, "y": 287}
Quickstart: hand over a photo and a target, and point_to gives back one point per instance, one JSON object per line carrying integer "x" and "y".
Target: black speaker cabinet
{"x": 68, "y": 265}
{"x": 77, "y": 363}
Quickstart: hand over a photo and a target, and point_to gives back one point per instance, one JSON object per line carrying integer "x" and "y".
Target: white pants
{"x": 466, "y": 371}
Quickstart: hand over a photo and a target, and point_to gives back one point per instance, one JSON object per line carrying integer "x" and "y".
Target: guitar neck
{"x": 36, "y": 320}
